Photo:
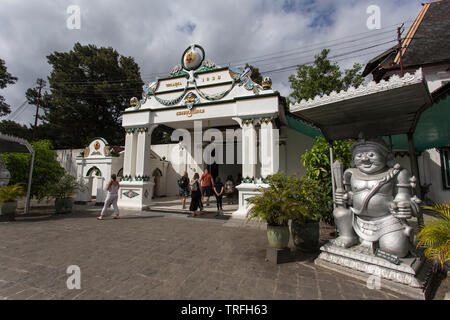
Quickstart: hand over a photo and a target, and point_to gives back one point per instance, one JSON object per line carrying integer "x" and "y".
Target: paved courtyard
{"x": 151, "y": 255}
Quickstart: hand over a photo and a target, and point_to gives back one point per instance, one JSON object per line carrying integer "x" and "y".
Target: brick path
{"x": 157, "y": 256}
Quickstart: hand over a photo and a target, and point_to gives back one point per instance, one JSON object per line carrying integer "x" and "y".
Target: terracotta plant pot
{"x": 8, "y": 210}
{"x": 305, "y": 237}
{"x": 278, "y": 236}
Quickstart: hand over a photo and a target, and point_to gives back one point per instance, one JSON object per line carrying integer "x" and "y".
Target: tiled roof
{"x": 430, "y": 42}
{"x": 426, "y": 42}
{"x": 441, "y": 93}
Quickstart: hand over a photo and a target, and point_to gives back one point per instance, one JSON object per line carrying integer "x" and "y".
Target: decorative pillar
{"x": 136, "y": 188}
{"x": 249, "y": 150}
{"x": 269, "y": 149}
{"x": 142, "y": 168}
{"x": 129, "y": 161}
{"x": 248, "y": 188}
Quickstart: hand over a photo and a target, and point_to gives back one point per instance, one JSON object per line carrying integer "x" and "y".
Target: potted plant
{"x": 305, "y": 230}
{"x": 434, "y": 236}
{"x": 275, "y": 205}
{"x": 8, "y": 200}
{"x": 63, "y": 192}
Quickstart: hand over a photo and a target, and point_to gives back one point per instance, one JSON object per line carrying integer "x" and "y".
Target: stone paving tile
{"x": 25, "y": 294}
{"x": 157, "y": 256}
{"x": 12, "y": 290}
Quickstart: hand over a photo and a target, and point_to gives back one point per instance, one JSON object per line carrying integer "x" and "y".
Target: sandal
{"x": 99, "y": 218}
{"x": 116, "y": 217}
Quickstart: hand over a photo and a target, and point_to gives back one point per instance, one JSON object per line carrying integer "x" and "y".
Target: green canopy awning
{"x": 397, "y": 107}
{"x": 432, "y": 131}
{"x": 301, "y": 126}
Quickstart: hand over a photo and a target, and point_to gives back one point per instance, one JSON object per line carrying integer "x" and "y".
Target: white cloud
{"x": 155, "y": 33}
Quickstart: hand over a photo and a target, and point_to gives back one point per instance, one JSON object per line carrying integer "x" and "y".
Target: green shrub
{"x": 434, "y": 236}
{"x": 287, "y": 197}
{"x": 47, "y": 169}
{"x": 66, "y": 187}
{"x": 318, "y": 169}
{"x": 11, "y": 193}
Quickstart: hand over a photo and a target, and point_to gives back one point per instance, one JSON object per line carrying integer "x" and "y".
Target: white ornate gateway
{"x": 221, "y": 97}
{"x": 95, "y": 165}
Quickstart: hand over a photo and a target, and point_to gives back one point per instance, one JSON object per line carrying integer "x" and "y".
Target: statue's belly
{"x": 378, "y": 205}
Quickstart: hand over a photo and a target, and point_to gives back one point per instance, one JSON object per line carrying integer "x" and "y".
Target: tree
{"x": 15, "y": 129}
{"x": 322, "y": 77}
{"x": 161, "y": 135}
{"x": 256, "y": 75}
{"x": 318, "y": 169}
{"x": 90, "y": 87}
{"x": 47, "y": 169}
{"x": 5, "y": 79}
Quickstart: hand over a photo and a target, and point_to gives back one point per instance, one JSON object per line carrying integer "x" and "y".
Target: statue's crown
{"x": 378, "y": 143}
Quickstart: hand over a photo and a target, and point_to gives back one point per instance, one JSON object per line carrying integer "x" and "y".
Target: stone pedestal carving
{"x": 412, "y": 277}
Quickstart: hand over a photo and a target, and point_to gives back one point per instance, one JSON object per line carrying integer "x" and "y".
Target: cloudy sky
{"x": 272, "y": 35}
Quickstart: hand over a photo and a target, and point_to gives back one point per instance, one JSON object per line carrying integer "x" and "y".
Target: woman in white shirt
{"x": 111, "y": 198}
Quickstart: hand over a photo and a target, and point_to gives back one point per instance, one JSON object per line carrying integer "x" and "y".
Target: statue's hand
{"x": 340, "y": 198}
{"x": 401, "y": 209}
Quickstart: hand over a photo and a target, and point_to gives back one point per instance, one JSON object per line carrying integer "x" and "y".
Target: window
{"x": 445, "y": 166}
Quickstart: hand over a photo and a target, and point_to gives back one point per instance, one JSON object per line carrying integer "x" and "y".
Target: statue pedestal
{"x": 412, "y": 277}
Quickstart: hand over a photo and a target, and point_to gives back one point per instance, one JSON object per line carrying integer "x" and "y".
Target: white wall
{"x": 290, "y": 153}
{"x": 67, "y": 159}
{"x": 175, "y": 169}
{"x": 429, "y": 163}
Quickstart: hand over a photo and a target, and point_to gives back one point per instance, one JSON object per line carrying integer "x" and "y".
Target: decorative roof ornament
{"x": 190, "y": 99}
{"x": 192, "y": 57}
{"x": 178, "y": 71}
{"x": 267, "y": 83}
{"x": 372, "y": 87}
{"x": 244, "y": 79}
{"x": 192, "y": 62}
{"x": 175, "y": 70}
{"x": 207, "y": 65}
{"x": 148, "y": 89}
{"x": 134, "y": 102}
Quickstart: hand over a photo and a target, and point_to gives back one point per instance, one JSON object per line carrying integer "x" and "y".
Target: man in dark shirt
{"x": 183, "y": 184}
{"x": 218, "y": 190}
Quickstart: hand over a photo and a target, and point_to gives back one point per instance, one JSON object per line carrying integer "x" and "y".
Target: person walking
{"x": 218, "y": 190}
{"x": 111, "y": 198}
{"x": 196, "y": 194}
{"x": 229, "y": 189}
{"x": 183, "y": 184}
{"x": 207, "y": 182}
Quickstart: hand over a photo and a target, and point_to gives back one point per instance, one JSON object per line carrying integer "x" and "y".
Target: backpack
{"x": 194, "y": 186}
{"x": 182, "y": 183}
{"x": 229, "y": 187}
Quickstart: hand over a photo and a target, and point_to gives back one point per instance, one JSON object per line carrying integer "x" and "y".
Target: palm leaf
{"x": 435, "y": 235}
